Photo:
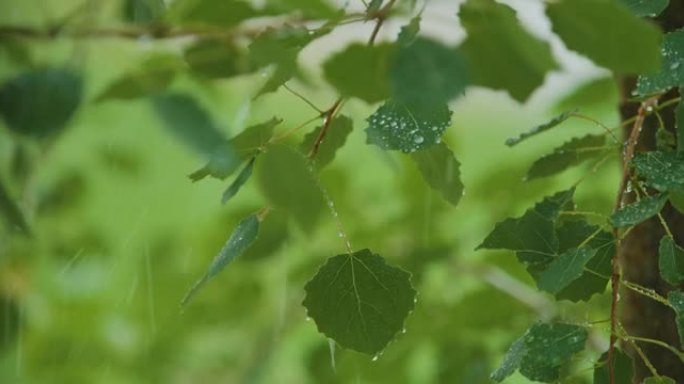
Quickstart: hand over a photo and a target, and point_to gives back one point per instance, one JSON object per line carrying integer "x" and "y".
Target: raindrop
{"x": 403, "y": 330}
{"x": 675, "y": 65}
{"x": 418, "y": 139}
{"x": 340, "y": 234}
{"x": 308, "y": 318}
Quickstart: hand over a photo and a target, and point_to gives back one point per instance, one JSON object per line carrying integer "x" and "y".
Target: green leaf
{"x": 307, "y": 8}
{"x": 671, "y": 261}
{"x": 241, "y": 238}
{"x": 153, "y": 76}
{"x": 11, "y": 212}
{"x": 638, "y": 212}
{"x": 540, "y": 128}
{"x": 337, "y": 134}
{"x": 239, "y": 181}
{"x": 671, "y": 72}
{"x": 360, "y": 71}
{"x": 407, "y": 128}
{"x": 511, "y": 361}
{"x": 359, "y": 301}
{"x": 441, "y": 171}
{"x": 676, "y": 300}
{"x": 622, "y": 367}
{"x": 254, "y": 137}
{"x": 591, "y": 97}
{"x": 570, "y": 154}
{"x": 663, "y": 171}
{"x": 409, "y": 32}
{"x": 40, "y": 102}
{"x": 564, "y": 269}
{"x": 679, "y": 123}
{"x": 144, "y": 11}
{"x": 548, "y": 346}
{"x": 217, "y": 58}
{"x": 658, "y": 380}
{"x": 597, "y": 271}
{"x": 590, "y": 26}
{"x": 501, "y": 54}
{"x": 223, "y": 13}
{"x": 427, "y": 72}
{"x": 287, "y": 182}
{"x": 646, "y": 8}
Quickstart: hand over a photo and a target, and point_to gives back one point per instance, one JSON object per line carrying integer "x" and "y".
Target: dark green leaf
{"x": 679, "y": 121}
{"x": 671, "y": 72}
{"x": 427, "y": 73}
{"x": 16, "y": 50}
{"x": 40, "y": 102}
{"x": 671, "y": 261}
{"x": 540, "y": 128}
{"x": 287, "y": 182}
{"x": 511, "y": 361}
{"x": 676, "y": 300}
{"x": 224, "y": 13}
{"x": 360, "y": 71}
{"x": 307, "y": 8}
{"x": 441, "y": 171}
{"x": 589, "y": 26}
{"x": 658, "y": 380}
{"x": 11, "y": 213}
{"x": 548, "y": 346}
{"x": 215, "y": 59}
{"x": 373, "y": 6}
{"x": 153, "y": 76}
{"x": 663, "y": 171}
{"x": 622, "y": 367}
{"x": 677, "y": 200}
{"x": 407, "y": 128}
{"x": 144, "y": 11}
{"x": 337, "y": 134}
{"x": 571, "y": 153}
{"x": 564, "y": 269}
{"x": 359, "y": 301}
{"x": 409, "y": 32}
{"x": 595, "y": 95}
{"x": 241, "y": 238}
{"x": 239, "y": 181}
{"x": 646, "y": 8}
{"x": 501, "y": 54}
{"x": 638, "y": 212}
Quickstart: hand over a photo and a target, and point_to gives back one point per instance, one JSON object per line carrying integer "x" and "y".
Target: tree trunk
{"x": 638, "y": 253}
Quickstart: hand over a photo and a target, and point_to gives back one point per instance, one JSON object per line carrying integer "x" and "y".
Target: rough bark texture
{"x": 638, "y": 254}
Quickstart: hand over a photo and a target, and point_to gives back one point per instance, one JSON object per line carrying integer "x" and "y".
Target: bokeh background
{"x": 121, "y": 232}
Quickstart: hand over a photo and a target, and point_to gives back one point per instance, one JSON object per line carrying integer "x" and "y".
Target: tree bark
{"x": 638, "y": 252}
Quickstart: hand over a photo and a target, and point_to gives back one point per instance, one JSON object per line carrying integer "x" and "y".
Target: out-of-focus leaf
{"x": 11, "y": 213}
{"x": 224, "y": 13}
{"x": 16, "y": 50}
{"x": 360, "y": 71}
{"x": 9, "y": 322}
{"x": 646, "y": 8}
{"x": 540, "y": 128}
{"x": 40, "y": 102}
{"x": 501, "y": 54}
{"x": 638, "y": 212}
{"x": 288, "y": 183}
{"x": 571, "y": 153}
{"x": 144, "y": 11}
{"x": 409, "y": 32}
{"x": 337, "y": 134}
{"x": 241, "y": 238}
{"x": 676, "y": 300}
{"x": 320, "y": 9}
{"x": 216, "y": 58}
{"x": 564, "y": 269}
{"x": 359, "y": 301}
{"x": 153, "y": 76}
{"x": 659, "y": 380}
{"x": 679, "y": 122}
{"x": 597, "y": 94}
{"x": 671, "y": 72}
{"x": 254, "y": 137}
{"x": 589, "y": 26}
{"x": 622, "y": 367}
{"x": 663, "y": 171}
{"x": 426, "y": 73}
{"x": 511, "y": 361}
{"x": 671, "y": 261}
{"x": 441, "y": 171}
{"x": 239, "y": 181}
{"x": 548, "y": 346}
{"x": 407, "y": 128}
{"x": 677, "y": 200}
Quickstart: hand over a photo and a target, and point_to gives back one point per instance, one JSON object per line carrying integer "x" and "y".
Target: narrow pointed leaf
{"x": 359, "y": 301}
{"x": 500, "y": 52}
{"x": 239, "y": 181}
{"x": 539, "y": 129}
{"x": 589, "y": 26}
{"x": 241, "y": 238}
{"x": 676, "y": 300}
{"x": 622, "y": 367}
{"x": 151, "y": 77}
{"x": 570, "y": 154}
{"x": 254, "y": 137}
{"x": 646, "y": 8}
{"x": 511, "y": 361}
{"x": 679, "y": 121}
{"x": 638, "y": 212}
{"x": 397, "y": 126}
{"x": 360, "y": 71}
{"x": 337, "y": 134}
{"x": 441, "y": 171}
{"x": 548, "y": 346}
{"x": 671, "y": 72}
{"x": 564, "y": 269}
{"x": 409, "y": 32}
{"x": 671, "y": 261}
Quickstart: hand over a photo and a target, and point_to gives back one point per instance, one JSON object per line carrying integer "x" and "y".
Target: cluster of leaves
{"x": 356, "y": 298}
